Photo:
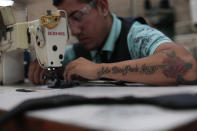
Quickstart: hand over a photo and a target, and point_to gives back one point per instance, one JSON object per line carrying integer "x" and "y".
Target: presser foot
{"x": 63, "y": 84}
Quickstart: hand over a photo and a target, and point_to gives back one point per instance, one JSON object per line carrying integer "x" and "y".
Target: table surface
{"x": 116, "y": 117}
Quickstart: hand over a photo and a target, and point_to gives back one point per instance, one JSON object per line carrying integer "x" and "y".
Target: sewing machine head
{"x": 47, "y": 37}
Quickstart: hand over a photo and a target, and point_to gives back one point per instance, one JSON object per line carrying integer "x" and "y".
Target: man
{"x": 0, "y": 37}
{"x": 132, "y": 50}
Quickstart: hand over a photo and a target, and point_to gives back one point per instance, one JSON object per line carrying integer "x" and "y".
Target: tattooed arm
{"x": 170, "y": 64}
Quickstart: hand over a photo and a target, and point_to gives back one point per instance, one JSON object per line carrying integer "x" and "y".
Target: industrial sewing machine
{"x": 47, "y": 37}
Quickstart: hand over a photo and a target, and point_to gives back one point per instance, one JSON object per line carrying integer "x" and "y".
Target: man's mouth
{"x": 83, "y": 40}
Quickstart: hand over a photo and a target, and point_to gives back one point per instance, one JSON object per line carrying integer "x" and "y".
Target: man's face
{"x": 87, "y": 23}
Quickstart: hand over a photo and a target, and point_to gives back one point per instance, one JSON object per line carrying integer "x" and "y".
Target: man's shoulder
{"x": 132, "y": 20}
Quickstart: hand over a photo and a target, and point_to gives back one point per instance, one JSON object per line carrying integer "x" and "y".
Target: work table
{"x": 103, "y": 117}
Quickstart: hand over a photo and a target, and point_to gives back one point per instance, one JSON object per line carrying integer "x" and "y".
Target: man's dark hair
{"x": 58, "y": 2}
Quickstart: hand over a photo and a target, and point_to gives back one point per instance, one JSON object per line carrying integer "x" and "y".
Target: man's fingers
{"x": 70, "y": 75}
{"x": 70, "y": 66}
{"x": 37, "y": 74}
{"x": 66, "y": 74}
{"x": 73, "y": 63}
{"x": 42, "y": 81}
{"x": 32, "y": 69}
{"x": 68, "y": 69}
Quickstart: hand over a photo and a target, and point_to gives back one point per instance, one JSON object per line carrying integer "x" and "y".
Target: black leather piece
{"x": 174, "y": 102}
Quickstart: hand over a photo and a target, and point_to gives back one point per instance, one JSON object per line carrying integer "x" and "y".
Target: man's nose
{"x": 75, "y": 30}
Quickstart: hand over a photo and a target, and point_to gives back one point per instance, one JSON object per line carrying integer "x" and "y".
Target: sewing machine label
{"x": 56, "y": 33}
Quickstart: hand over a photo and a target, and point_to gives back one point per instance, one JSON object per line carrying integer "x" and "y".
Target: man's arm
{"x": 170, "y": 64}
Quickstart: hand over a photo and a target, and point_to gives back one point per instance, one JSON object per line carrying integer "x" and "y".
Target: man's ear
{"x": 103, "y": 6}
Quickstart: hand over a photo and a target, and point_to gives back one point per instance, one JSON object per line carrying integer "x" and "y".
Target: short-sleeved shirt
{"x": 142, "y": 41}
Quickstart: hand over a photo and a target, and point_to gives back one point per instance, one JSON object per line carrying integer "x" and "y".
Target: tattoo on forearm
{"x": 125, "y": 70}
{"x": 172, "y": 67}
{"x": 103, "y": 72}
{"x": 176, "y": 68}
{"x": 149, "y": 70}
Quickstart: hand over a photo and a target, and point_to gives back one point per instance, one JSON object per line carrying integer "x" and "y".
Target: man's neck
{"x": 110, "y": 22}
{"x": 109, "y": 27}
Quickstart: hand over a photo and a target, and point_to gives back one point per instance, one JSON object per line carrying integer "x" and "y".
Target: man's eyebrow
{"x": 73, "y": 13}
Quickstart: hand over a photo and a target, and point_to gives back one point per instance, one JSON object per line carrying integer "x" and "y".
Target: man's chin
{"x": 88, "y": 47}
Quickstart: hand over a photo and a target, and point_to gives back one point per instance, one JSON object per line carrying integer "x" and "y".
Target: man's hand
{"x": 35, "y": 74}
{"x": 81, "y": 68}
